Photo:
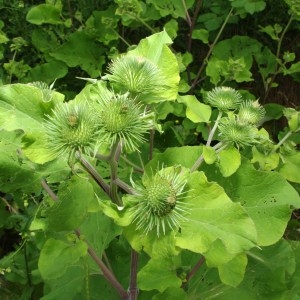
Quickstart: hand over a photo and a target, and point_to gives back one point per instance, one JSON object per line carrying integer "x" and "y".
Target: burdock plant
{"x": 232, "y": 131}
{"x": 224, "y": 98}
{"x": 122, "y": 118}
{"x": 160, "y": 202}
{"x": 251, "y": 112}
{"x": 135, "y": 74}
{"x": 72, "y": 127}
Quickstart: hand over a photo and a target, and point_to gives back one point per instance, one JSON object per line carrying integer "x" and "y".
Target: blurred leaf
{"x": 290, "y": 168}
{"x": 71, "y": 206}
{"x": 64, "y": 254}
{"x": 158, "y": 274}
{"x": 201, "y": 34}
{"x": 44, "y": 14}
{"x": 196, "y": 111}
{"x": 209, "y": 154}
{"x": 81, "y": 50}
{"x": 229, "y": 161}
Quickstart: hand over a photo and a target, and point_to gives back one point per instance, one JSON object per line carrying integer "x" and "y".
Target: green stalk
{"x": 91, "y": 170}
{"x": 124, "y": 186}
{"x": 268, "y": 85}
{"x": 107, "y": 273}
{"x": 135, "y": 167}
{"x": 195, "y": 82}
{"x": 113, "y": 162}
{"x": 288, "y": 134}
{"x": 199, "y": 161}
{"x": 212, "y": 132}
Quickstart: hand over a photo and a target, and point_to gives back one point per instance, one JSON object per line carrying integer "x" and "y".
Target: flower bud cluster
{"x": 243, "y": 116}
{"x": 115, "y": 117}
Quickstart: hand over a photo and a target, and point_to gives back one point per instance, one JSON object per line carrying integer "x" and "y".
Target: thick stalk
{"x": 109, "y": 276}
{"x": 135, "y": 167}
{"x": 212, "y": 132}
{"x": 191, "y": 22}
{"x": 124, "y": 186}
{"x": 194, "y": 270}
{"x": 133, "y": 289}
{"x": 199, "y": 161}
{"x": 113, "y": 162}
{"x": 91, "y": 170}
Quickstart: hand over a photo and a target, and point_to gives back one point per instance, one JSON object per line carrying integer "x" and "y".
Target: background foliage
{"x": 249, "y": 194}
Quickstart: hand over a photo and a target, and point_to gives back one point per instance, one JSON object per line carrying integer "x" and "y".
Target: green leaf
{"x": 266, "y": 162}
{"x": 99, "y": 230}
{"x": 15, "y": 172}
{"x": 81, "y": 50}
{"x": 272, "y": 31}
{"x": 71, "y": 206}
{"x": 61, "y": 254}
{"x": 229, "y": 161}
{"x": 196, "y": 111}
{"x": 232, "y": 272}
{"x": 69, "y": 284}
{"x": 120, "y": 215}
{"x": 273, "y": 111}
{"x": 249, "y": 6}
{"x": 200, "y": 34}
{"x": 44, "y": 14}
{"x": 158, "y": 274}
{"x": 155, "y": 48}
{"x": 185, "y": 156}
{"x": 266, "y": 197}
{"x": 209, "y": 154}
{"x": 156, "y": 248}
{"x": 294, "y": 68}
{"x": 23, "y": 107}
{"x": 171, "y": 28}
{"x": 291, "y": 167}
{"x": 217, "y": 227}
{"x": 172, "y": 7}
{"x": 171, "y": 293}
{"x": 216, "y": 69}
{"x": 48, "y": 72}
{"x": 272, "y": 273}
{"x": 35, "y": 147}
{"x": 293, "y": 117}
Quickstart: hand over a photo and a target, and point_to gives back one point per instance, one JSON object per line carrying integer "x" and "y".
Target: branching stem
{"x": 277, "y": 71}
{"x": 91, "y": 170}
{"x": 288, "y": 134}
{"x": 107, "y": 273}
{"x": 195, "y": 269}
{"x": 212, "y": 132}
{"x": 196, "y": 80}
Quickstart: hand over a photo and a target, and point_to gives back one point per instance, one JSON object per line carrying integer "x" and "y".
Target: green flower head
{"x": 122, "y": 119}
{"x": 135, "y": 74}
{"x": 160, "y": 202}
{"x": 72, "y": 127}
{"x": 224, "y": 98}
{"x": 241, "y": 134}
{"x": 251, "y": 112}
